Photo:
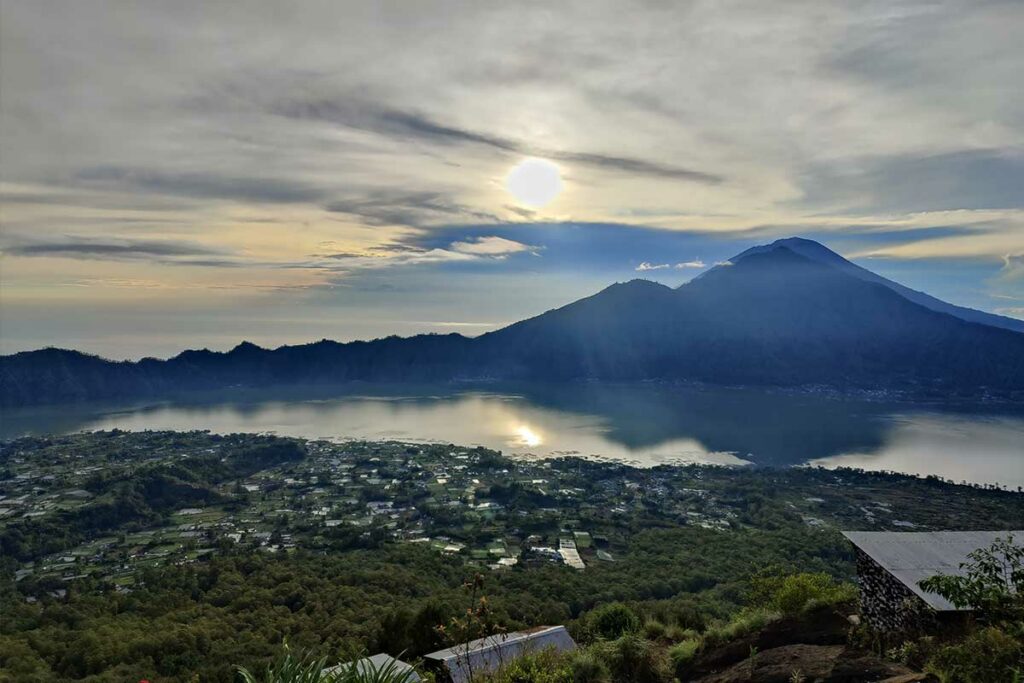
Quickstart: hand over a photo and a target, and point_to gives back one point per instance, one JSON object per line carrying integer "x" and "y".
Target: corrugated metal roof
{"x": 378, "y": 663}
{"x": 914, "y": 556}
{"x": 490, "y": 653}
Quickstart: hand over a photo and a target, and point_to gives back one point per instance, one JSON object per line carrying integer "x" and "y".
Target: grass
{"x": 745, "y": 622}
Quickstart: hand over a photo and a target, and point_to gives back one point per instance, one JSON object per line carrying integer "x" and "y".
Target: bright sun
{"x": 534, "y": 182}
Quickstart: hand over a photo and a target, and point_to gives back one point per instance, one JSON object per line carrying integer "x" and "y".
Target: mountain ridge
{"x": 773, "y": 317}
{"x": 817, "y": 251}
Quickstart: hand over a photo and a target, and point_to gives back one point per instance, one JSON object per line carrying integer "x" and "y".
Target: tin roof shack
{"x": 377, "y": 664}
{"x": 890, "y": 564}
{"x": 461, "y": 663}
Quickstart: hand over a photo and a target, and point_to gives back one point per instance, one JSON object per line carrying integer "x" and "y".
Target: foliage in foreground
{"x": 793, "y": 593}
{"x": 614, "y": 648}
{"x": 992, "y": 585}
{"x": 293, "y": 667}
{"x": 235, "y": 608}
{"x": 650, "y": 644}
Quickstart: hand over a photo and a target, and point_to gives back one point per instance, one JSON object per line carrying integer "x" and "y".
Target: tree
{"x": 614, "y": 620}
{"x": 477, "y": 622}
{"x": 992, "y": 582}
{"x": 305, "y": 668}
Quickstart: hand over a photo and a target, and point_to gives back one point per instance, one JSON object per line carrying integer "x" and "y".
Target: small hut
{"x": 461, "y": 663}
{"x": 891, "y": 564}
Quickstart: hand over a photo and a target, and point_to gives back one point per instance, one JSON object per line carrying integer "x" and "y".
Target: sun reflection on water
{"x": 526, "y": 436}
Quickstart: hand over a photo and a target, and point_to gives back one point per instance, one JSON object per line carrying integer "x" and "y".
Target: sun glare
{"x": 534, "y": 182}
{"x": 527, "y": 437}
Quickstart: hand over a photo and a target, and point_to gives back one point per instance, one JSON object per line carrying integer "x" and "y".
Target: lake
{"x": 638, "y": 424}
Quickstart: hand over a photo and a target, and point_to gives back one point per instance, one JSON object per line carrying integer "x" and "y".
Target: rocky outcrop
{"x": 812, "y": 664}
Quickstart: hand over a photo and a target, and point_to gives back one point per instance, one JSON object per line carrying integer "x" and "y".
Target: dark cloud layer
{"x": 164, "y": 251}
{"x": 979, "y": 179}
{"x": 412, "y": 209}
{"x": 412, "y": 125}
{"x": 205, "y": 185}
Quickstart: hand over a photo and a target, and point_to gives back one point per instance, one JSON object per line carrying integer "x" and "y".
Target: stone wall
{"x": 885, "y": 603}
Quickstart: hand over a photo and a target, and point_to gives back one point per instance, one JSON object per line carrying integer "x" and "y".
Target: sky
{"x": 192, "y": 174}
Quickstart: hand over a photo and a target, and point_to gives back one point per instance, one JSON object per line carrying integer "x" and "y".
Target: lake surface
{"x": 639, "y": 424}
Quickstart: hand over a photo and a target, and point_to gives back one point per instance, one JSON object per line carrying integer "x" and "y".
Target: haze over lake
{"x": 639, "y": 424}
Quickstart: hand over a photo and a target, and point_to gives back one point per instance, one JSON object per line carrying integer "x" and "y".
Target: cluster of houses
{"x": 379, "y": 489}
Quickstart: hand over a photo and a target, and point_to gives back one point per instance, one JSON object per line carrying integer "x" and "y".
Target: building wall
{"x": 885, "y": 603}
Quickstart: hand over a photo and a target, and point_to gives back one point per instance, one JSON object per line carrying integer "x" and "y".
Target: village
{"x": 254, "y": 529}
{"x": 472, "y": 503}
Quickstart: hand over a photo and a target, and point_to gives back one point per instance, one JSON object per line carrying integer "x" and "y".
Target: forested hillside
{"x": 164, "y": 555}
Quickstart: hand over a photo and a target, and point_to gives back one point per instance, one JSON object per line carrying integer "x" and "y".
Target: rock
{"x": 824, "y": 663}
{"x": 777, "y": 665}
{"x": 855, "y": 666}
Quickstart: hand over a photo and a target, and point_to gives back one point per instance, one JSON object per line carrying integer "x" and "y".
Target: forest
{"x": 340, "y": 549}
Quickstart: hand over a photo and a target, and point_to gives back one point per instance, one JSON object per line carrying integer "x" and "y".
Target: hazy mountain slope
{"x": 822, "y": 254}
{"x": 56, "y": 375}
{"x": 774, "y": 317}
{"x": 617, "y": 333}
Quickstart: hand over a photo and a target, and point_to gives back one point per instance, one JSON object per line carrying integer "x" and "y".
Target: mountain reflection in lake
{"x": 640, "y": 424}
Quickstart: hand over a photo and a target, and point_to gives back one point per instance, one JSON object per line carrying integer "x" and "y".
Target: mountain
{"x": 792, "y": 313}
{"x": 772, "y": 317}
{"x": 818, "y": 252}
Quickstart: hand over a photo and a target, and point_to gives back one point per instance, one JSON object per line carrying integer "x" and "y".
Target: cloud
{"x": 491, "y": 245}
{"x": 163, "y": 251}
{"x": 380, "y": 258}
{"x": 310, "y": 127}
{"x": 475, "y": 248}
{"x": 1013, "y": 312}
{"x": 204, "y": 185}
{"x": 411, "y": 125}
{"x": 975, "y": 178}
{"x": 645, "y": 265}
{"x": 448, "y": 323}
{"x": 723, "y": 263}
{"x": 412, "y": 209}
{"x": 1013, "y": 267}
{"x": 136, "y": 284}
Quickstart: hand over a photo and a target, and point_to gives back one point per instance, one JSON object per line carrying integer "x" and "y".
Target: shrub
{"x": 290, "y": 668}
{"x": 547, "y": 666}
{"x": 654, "y": 630}
{"x": 631, "y": 658}
{"x": 912, "y": 653}
{"x": 304, "y": 668}
{"x": 614, "y": 620}
{"x": 987, "y": 655}
{"x": 690, "y": 617}
{"x": 747, "y": 621}
{"x": 682, "y": 655}
{"x": 675, "y": 634}
{"x": 793, "y": 593}
{"x": 586, "y": 667}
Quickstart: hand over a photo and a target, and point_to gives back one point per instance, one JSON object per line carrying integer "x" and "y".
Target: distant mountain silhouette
{"x": 792, "y": 313}
{"x": 818, "y": 252}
